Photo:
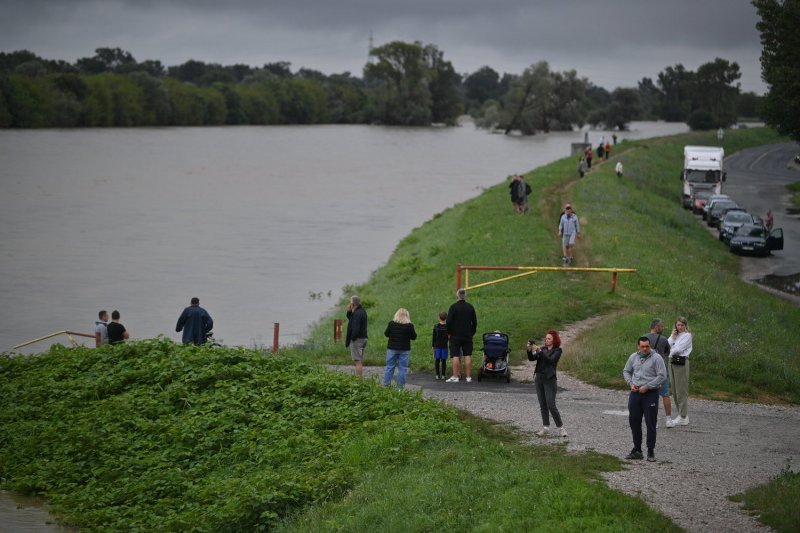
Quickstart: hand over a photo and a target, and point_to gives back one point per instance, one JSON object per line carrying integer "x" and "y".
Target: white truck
{"x": 702, "y": 171}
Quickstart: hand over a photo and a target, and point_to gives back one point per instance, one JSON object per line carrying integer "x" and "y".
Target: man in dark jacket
{"x": 356, "y": 333}
{"x": 462, "y": 323}
{"x": 195, "y": 322}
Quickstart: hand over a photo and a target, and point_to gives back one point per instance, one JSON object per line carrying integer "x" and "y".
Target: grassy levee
{"x": 154, "y": 436}
{"x": 745, "y": 340}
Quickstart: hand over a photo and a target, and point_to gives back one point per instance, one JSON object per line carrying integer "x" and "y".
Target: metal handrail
{"x": 66, "y": 332}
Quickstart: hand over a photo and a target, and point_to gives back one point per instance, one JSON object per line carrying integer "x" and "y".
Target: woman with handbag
{"x": 545, "y": 381}
{"x": 680, "y": 346}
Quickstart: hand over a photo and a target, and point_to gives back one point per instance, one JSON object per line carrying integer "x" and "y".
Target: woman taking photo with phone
{"x": 680, "y": 346}
{"x": 545, "y": 380}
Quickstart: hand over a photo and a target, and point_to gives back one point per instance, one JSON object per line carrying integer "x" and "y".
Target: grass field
{"x": 634, "y": 222}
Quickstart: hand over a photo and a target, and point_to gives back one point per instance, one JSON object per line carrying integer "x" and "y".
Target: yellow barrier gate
{"x": 529, "y": 270}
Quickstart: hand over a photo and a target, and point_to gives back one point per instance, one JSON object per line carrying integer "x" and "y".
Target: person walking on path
{"x": 618, "y": 169}
{"x": 513, "y": 190}
{"x": 582, "y": 167}
{"x": 660, "y": 345}
{"x": 462, "y": 323}
{"x": 400, "y": 332}
{"x": 195, "y": 322}
{"x": 644, "y": 374}
{"x": 116, "y": 331}
{"x": 568, "y": 229}
{"x": 546, "y": 381}
{"x": 356, "y": 337}
{"x": 680, "y": 347}
{"x": 101, "y": 329}
{"x": 614, "y": 138}
{"x": 589, "y": 158}
{"x": 439, "y": 345}
{"x": 607, "y": 150}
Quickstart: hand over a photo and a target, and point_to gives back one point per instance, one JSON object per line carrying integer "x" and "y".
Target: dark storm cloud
{"x": 615, "y": 42}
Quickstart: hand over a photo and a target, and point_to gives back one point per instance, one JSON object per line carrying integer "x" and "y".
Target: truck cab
{"x": 702, "y": 171}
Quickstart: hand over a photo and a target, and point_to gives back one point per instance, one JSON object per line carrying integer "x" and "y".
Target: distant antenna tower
{"x": 371, "y": 46}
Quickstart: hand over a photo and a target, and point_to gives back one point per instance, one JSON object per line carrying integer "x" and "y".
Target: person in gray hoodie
{"x": 644, "y": 373}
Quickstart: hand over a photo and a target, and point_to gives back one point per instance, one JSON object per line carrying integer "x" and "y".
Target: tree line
{"x": 402, "y": 84}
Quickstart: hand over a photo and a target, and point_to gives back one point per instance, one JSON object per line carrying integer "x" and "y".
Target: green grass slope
{"x": 745, "y": 340}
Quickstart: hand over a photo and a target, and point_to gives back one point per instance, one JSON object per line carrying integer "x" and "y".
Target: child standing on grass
{"x": 439, "y": 344}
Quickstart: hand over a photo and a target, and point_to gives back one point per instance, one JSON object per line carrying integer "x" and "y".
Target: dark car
{"x": 731, "y": 221}
{"x": 718, "y": 211}
{"x": 753, "y": 239}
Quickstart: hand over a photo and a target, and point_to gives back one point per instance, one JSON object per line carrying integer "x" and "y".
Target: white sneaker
{"x": 682, "y": 421}
{"x": 676, "y": 421}
{"x": 562, "y": 432}
{"x": 469, "y": 379}
{"x": 544, "y": 432}
{"x": 452, "y": 379}
{"x": 670, "y": 422}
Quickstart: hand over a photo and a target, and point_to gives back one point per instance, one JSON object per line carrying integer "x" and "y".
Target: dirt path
{"x": 728, "y": 447}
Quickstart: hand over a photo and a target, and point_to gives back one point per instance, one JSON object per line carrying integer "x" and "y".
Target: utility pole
{"x": 371, "y": 46}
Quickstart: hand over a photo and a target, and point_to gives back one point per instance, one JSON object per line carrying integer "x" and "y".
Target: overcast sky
{"x": 612, "y": 42}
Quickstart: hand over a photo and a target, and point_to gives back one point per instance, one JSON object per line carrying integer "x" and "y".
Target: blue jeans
{"x": 396, "y": 359}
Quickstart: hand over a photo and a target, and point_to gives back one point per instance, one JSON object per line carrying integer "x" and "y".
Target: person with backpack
{"x": 523, "y": 190}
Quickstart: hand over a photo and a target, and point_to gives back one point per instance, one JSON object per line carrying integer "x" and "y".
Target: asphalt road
{"x": 757, "y": 179}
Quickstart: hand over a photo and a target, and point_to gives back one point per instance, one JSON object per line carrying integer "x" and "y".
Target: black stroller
{"x": 495, "y": 356}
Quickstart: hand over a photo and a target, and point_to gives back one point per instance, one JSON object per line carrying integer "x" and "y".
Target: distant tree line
{"x": 402, "y": 84}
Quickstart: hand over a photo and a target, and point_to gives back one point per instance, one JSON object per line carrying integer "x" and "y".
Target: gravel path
{"x": 727, "y": 448}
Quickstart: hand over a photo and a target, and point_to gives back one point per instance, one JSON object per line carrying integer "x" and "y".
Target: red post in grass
{"x": 276, "y": 328}
{"x": 613, "y": 281}
{"x": 458, "y": 276}
{"x": 337, "y": 330}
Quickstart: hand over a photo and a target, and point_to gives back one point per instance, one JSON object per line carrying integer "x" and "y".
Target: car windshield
{"x": 719, "y": 206}
{"x": 701, "y": 195}
{"x": 738, "y": 217}
{"x": 702, "y": 176}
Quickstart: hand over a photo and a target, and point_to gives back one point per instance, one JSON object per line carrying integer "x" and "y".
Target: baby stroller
{"x": 495, "y": 356}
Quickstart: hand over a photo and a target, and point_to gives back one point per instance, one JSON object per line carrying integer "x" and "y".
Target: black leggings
{"x": 546, "y": 392}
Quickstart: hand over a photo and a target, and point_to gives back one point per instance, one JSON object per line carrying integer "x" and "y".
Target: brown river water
{"x": 263, "y": 224}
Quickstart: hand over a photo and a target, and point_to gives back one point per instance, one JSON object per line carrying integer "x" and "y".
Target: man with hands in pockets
{"x": 644, "y": 372}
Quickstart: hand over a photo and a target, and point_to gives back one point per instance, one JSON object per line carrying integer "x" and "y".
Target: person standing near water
{"x": 195, "y": 323}
{"x": 400, "y": 332}
{"x": 101, "y": 328}
{"x": 356, "y": 333}
{"x": 116, "y": 331}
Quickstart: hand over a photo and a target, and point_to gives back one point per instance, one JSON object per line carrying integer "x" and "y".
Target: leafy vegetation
{"x": 780, "y": 63}
{"x": 776, "y": 502}
{"x": 402, "y": 84}
{"x": 155, "y": 436}
{"x": 636, "y": 222}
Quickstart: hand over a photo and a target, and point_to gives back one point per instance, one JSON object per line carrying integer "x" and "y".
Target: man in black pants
{"x": 644, "y": 372}
{"x": 462, "y": 323}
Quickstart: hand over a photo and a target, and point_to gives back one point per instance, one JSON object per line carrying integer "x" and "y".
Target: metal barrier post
{"x": 276, "y": 328}
{"x": 458, "y": 276}
{"x": 613, "y": 281}
{"x": 337, "y": 330}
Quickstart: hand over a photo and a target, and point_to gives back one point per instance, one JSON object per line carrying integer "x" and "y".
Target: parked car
{"x": 753, "y": 239}
{"x": 732, "y": 220}
{"x": 710, "y": 202}
{"x": 699, "y": 201}
{"x": 718, "y": 211}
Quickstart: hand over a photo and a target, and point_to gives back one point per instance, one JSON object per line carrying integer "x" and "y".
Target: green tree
{"x": 541, "y": 100}
{"x": 398, "y": 81}
{"x": 651, "y": 99}
{"x": 482, "y": 85}
{"x": 443, "y": 85}
{"x": 28, "y": 101}
{"x": 678, "y": 87}
{"x": 749, "y": 105}
{"x": 625, "y": 106}
{"x": 716, "y": 92}
{"x": 780, "y": 63}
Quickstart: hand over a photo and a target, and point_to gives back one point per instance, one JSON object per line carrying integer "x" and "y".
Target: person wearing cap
{"x": 568, "y": 229}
